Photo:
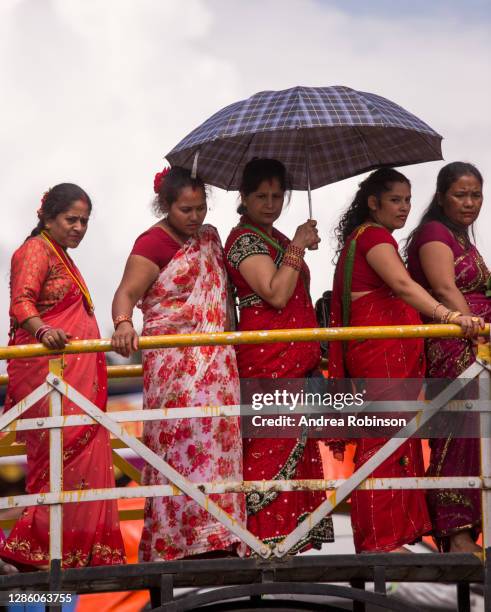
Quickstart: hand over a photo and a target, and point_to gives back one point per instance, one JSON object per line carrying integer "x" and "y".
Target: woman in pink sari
{"x": 442, "y": 258}
{"x": 177, "y": 275}
{"x": 50, "y": 303}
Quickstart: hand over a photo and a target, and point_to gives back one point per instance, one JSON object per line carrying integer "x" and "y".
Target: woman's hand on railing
{"x": 55, "y": 338}
{"x": 125, "y": 339}
{"x": 470, "y": 324}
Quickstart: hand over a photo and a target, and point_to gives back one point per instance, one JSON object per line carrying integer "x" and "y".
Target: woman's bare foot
{"x": 401, "y": 549}
{"x": 6, "y": 568}
{"x": 462, "y": 542}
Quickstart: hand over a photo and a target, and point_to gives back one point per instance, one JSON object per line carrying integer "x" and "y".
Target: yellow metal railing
{"x": 325, "y": 334}
{"x": 9, "y": 448}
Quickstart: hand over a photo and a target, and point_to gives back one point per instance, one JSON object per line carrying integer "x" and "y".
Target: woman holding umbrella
{"x": 443, "y": 259}
{"x": 272, "y": 283}
{"x": 372, "y": 287}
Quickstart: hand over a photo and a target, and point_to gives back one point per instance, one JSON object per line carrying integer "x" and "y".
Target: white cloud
{"x": 98, "y": 92}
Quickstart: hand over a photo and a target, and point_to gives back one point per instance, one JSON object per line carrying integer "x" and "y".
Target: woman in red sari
{"x": 50, "y": 303}
{"x": 272, "y": 283}
{"x": 176, "y": 274}
{"x": 372, "y": 287}
{"x": 442, "y": 258}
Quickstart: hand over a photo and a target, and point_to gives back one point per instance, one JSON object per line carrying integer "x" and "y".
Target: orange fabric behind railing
{"x": 124, "y": 601}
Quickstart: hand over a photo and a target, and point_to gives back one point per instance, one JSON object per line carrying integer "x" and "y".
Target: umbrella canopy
{"x": 321, "y": 134}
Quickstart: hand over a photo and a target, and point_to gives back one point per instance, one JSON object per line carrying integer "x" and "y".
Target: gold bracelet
{"x": 435, "y": 309}
{"x": 454, "y": 315}
{"x": 120, "y": 319}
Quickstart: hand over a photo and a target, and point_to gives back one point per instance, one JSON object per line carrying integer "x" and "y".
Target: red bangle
{"x": 120, "y": 318}
{"x": 41, "y": 331}
{"x": 291, "y": 249}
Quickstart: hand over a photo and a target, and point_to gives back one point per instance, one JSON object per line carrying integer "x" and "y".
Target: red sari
{"x": 381, "y": 520}
{"x": 42, "y": 285}
{"x": 272, "y": 516}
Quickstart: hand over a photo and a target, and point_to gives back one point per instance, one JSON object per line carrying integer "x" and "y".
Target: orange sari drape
{"x": 91, "y": 534}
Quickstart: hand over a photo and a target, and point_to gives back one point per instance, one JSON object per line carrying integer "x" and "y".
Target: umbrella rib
{"x": 246, "y": 148}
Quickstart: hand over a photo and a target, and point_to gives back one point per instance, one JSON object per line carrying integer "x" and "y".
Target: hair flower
{"x": 45, "y": 197}
{"x": 159, "y": 179}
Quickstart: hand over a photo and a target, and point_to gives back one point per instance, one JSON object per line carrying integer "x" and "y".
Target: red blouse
{"x": 156, "y": 245}
{"x": 38, "y": 280}
{"x": 364, "y": 276}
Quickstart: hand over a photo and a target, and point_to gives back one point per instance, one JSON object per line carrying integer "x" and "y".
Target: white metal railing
{"x": 57, "y": 388}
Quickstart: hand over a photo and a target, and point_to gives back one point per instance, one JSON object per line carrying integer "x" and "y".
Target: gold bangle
{"x": 453, "y": 315}
{"x": 435, "y": 309}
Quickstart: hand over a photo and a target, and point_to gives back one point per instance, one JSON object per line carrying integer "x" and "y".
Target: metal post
{"x": 485, "y": 430}
{"x": 463, "y": 597}
{"x": 56, "y": 464}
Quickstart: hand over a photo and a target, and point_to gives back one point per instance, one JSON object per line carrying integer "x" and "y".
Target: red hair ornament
{"x": 159, "y": 179}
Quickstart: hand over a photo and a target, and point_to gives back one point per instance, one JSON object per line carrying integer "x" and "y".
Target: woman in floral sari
{"x": 177, "y": 274}
{"x": 372, "y": 287}
{"x": 50, "y": 303}
{"x": 272, "y": 283}
{"x": 442, "y": 258}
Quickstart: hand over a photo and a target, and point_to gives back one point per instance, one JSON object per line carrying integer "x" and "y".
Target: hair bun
{"x": 159, "y": 179}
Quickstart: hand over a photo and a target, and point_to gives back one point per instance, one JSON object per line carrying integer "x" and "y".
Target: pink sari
{"x": 453, "y": 510}
{"x": 190, "y": 296}
{"x": 91, "y": 534}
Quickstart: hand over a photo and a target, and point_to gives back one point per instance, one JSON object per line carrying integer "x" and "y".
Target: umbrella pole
{"x": 307, "y": 168}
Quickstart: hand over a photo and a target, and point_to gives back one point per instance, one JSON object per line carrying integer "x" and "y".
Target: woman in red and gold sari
{"x": 177, "y": 274}
{"x": 372, "y": 287}
{"x": 272, "y": 283}
{"x": 50, "y": 304}
{"x": 443, "y": 259}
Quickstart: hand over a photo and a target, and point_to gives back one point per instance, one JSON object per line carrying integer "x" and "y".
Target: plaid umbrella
{"x": 321, "y": 134}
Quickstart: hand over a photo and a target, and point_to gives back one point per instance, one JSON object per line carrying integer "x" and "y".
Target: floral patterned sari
{"x": 190, "y": 296}
{"x": 454, "y": 510}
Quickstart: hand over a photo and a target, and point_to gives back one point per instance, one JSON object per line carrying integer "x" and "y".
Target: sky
{"x": 97, "y": 92}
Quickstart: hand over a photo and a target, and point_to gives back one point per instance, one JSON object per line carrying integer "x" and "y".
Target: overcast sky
{"x": 96, "y": 92}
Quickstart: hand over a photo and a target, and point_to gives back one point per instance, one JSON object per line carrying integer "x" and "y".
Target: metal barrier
{"x": 56, "y": 388}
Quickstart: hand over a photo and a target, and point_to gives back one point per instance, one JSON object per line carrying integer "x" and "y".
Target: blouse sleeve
{"x": 435, "y": 232}
{"x": 156, "y": 246}
{"x": 29, "y": 269}
{"x": 243, "y": 246}
{"x": 373, "y": 236}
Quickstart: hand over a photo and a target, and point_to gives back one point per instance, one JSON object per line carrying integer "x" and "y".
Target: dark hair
{"x": 262, "y": 169}
{"x": 445, "y": 179}
{"x": 57, "y": 200}
{"x": 375, "y": 184}
{"x": 171, "y": 186}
